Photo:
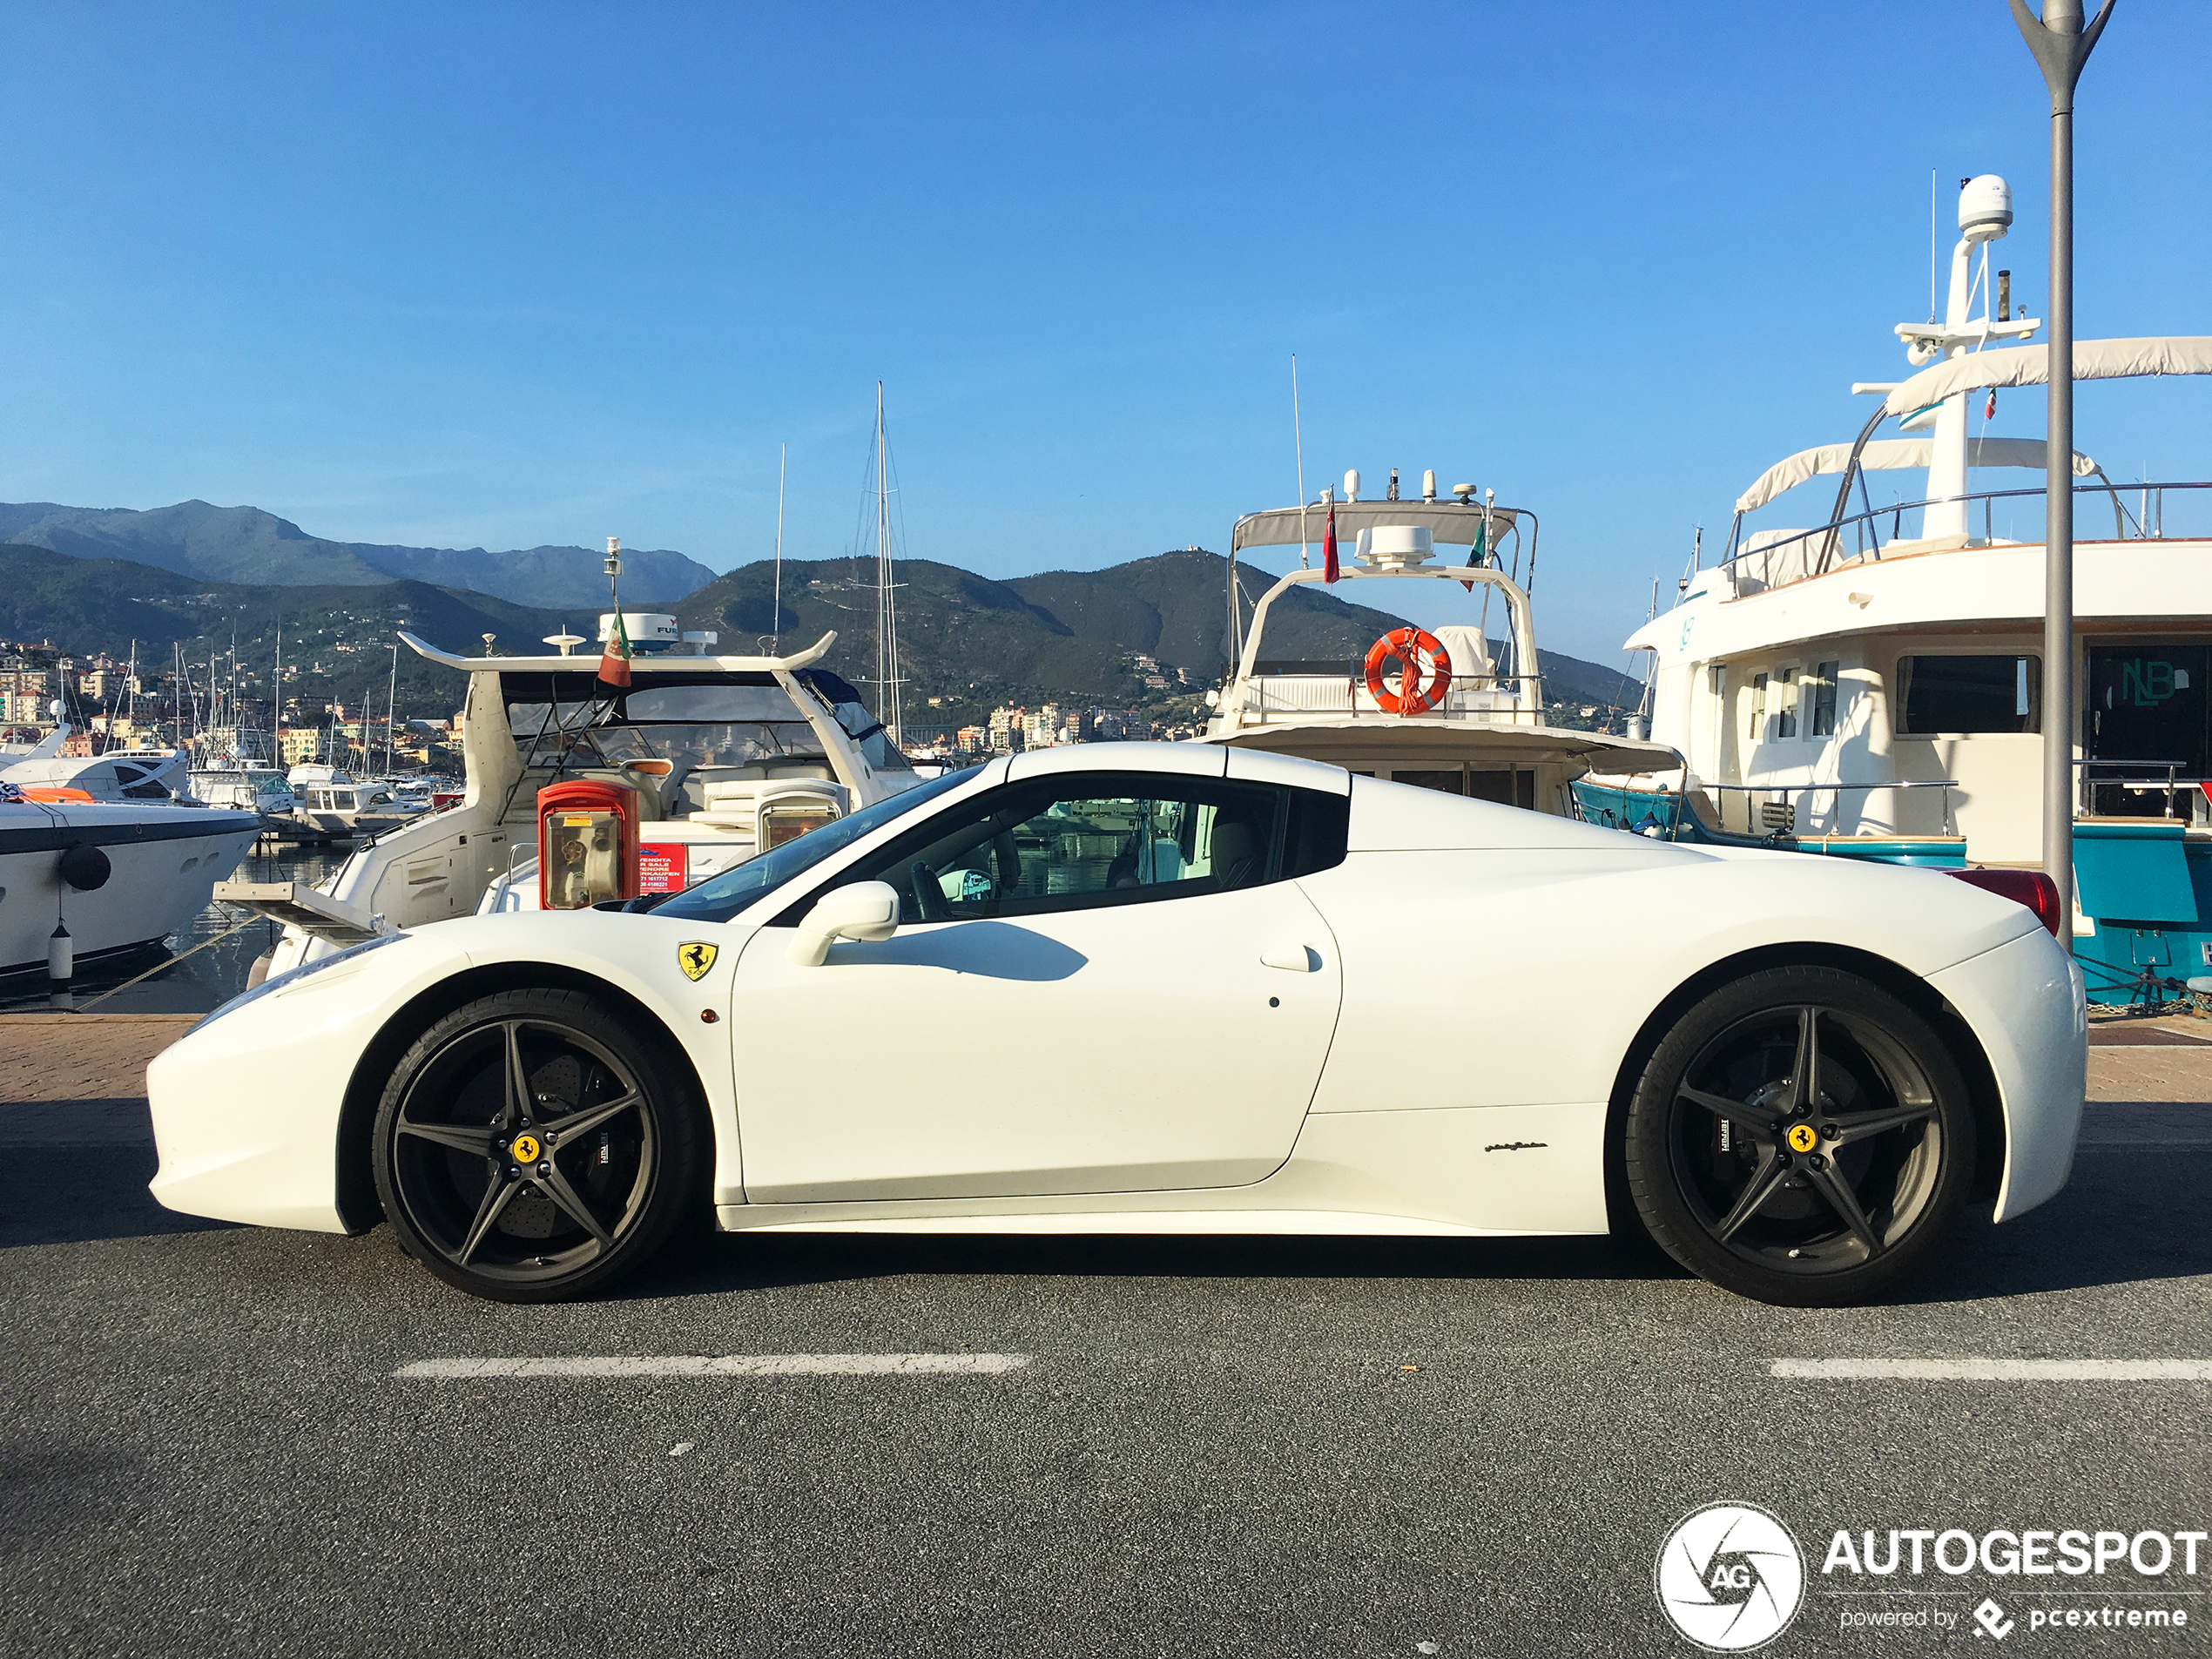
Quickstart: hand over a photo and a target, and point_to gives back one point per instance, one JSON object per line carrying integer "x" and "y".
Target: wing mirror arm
{"x": 868, "y": 911}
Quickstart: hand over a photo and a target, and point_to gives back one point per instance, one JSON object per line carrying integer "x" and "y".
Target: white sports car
{"x": 1155, "y": 988}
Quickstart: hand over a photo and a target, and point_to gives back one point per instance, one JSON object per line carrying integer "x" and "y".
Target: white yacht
{"x": 1438, "y": 711}
{"x": 112, "y": 877}
{"x": 1873, "y": 687}
{"x": 118, "y": 775}
{"x": 349, "y": 811}
{"x": 253, "y": 786}
{"x": 718, "y": 756}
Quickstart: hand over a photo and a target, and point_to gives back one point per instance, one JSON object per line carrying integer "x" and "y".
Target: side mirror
{"x": 866, "y": 911}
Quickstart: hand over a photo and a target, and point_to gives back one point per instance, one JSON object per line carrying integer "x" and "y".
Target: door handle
{"x": 1295, "y": 959}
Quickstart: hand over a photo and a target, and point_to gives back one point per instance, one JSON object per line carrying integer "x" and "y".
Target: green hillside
{"x": 244, "y": 545}
{"x": 965, "y": 640}
{"x": 337, "y": 640}
{"x": 1068, "y": 634}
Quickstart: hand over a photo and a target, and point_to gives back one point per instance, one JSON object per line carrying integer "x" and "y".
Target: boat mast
{"x": 776, "y": 626}
{"x": 1297, "y": 442}
{"x": 391, "y": 695}
{"x": 886, "y": 620}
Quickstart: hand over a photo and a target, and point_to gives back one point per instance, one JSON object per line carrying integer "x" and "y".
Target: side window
{"x": 1968, "y": 694}
{"x": 1786, "y": 703}
{"x": 1755, "y": 728}
{"x": 1087, "y": 840}
{"x": 1824, "y": 699}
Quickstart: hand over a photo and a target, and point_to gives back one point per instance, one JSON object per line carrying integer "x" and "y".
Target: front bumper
{"x": 246, "y": 1108}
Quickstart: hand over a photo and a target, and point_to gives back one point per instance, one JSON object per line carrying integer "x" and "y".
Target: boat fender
{"x": 85, "y": 868}
{"x": 260, "y": 971}
{"x": 1410, "y": 646}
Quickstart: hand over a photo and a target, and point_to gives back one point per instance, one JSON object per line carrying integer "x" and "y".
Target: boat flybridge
{"x": 1440, "y": 709}
{"x": 697, "y": 764}
{"x": 1873, "y": 687}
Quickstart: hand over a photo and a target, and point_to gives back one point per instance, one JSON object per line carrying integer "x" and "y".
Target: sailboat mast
{"x": 887, "y": 628}
{"x": 391, "y": 699}
{"x": 782, "y": 467}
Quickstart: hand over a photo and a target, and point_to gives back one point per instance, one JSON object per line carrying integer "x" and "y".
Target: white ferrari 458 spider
{"x": 1165, "y": 988}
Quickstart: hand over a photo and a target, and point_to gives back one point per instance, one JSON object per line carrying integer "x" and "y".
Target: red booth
{"x": 587, "y": 844}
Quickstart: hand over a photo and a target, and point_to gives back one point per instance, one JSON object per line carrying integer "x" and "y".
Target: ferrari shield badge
{"x": 695, "y": 960}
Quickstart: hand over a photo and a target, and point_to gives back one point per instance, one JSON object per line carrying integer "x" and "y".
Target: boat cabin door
{"x": 2146, "y": 710}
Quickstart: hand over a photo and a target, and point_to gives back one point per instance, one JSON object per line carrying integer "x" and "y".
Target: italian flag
{"x": 614, "y": 661}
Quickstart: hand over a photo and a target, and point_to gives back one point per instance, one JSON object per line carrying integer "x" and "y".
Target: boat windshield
{"x": 721, "y": 897}
{"x": 700, "y": 725}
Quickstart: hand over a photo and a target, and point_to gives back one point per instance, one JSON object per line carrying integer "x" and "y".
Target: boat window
{"x": 721, "y": 897}
{"x": 866, "y": 732}
{"x": 1824, "y": 699}
{"x": 1786, "y": 706}
{"x": 1965, "y": 694}
{"x": 1083, "y": 841}
{"x": 1756, "y": 727}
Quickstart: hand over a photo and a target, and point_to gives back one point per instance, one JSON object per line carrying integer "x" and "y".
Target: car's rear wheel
{"x": 1800, "y": 1136}
{"x": 529, "y": 1149}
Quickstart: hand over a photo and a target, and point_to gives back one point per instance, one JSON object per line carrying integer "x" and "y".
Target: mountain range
{"x": 246, "y": 545}
{"x": 195, "y": 576}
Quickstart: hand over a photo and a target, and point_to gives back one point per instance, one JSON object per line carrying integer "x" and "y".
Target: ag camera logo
{"x": 1730, "y": 1577}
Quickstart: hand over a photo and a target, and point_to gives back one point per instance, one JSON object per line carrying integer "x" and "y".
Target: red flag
{"x": 1989, "y": 409}
{"x": 614, "y": 661}
{"x": 1330, "y": 569}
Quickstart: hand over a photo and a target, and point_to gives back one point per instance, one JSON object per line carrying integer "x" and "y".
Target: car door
{"x": 1079, "y": 999}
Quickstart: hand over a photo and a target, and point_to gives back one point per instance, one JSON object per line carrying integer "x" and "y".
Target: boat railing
{"x": 1494, "y": 698}
{"x": 1778, "y": 817}
{"x": 2161, "y": 777}
{"x": 1858, "y": 537}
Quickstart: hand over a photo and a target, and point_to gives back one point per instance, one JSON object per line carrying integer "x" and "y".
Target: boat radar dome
{"x": 1985, "y": 208}
{"x": 1394, "y": 546}
{"x": 1352, "y": 484}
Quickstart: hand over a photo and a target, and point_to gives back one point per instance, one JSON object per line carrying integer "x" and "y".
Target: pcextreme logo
{"x": 1730, "y": 1577}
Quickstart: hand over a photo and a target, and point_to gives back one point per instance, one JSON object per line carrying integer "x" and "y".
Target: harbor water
{"x": 187, "y": 984}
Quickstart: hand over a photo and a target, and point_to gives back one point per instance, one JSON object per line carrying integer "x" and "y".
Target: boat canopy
{"x": 2094, "y": 360}
{"x": 1885, "y": 454}
{"x": 1455, "y": 524}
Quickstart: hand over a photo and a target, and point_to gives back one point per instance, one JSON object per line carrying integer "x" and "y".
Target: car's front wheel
{"x": 529, "y": 1149}
{"x": 1800, "y": 1136}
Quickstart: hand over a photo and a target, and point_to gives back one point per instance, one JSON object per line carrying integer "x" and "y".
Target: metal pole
{"x": 2061, "y": 47}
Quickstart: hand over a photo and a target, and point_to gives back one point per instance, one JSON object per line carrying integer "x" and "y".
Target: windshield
{"x": 708, "y": 732}
{"x": 723, "y": 896}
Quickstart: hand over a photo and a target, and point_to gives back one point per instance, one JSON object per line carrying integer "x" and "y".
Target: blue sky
{"x": 503, "y": 275}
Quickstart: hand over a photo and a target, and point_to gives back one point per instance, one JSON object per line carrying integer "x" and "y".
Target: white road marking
{"x": 726, "y": 1365}
{"x": 1995, "y": 1370}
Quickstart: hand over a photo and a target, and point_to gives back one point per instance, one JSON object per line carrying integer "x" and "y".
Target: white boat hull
{"x": 163, "y": 862}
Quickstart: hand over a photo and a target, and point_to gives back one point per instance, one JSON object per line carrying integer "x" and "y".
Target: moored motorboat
{"x": 113, "y": 878}
{"x": 1442, "y": 711}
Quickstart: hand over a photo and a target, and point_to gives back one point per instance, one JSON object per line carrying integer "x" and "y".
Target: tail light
{"x": 2031, "y": 887}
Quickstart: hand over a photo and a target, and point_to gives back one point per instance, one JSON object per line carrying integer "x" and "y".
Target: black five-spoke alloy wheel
{"x": 527, "y": 1148}
{"x": 1800, "y": 1136}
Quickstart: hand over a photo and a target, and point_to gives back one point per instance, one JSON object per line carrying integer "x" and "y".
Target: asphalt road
{"x": 1241, "y": 1448}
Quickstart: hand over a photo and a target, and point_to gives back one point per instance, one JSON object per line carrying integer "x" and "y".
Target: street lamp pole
{"x": 2061, "y": 46}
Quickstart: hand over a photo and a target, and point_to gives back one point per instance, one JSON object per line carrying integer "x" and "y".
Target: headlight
{"x": 291, "y": 976}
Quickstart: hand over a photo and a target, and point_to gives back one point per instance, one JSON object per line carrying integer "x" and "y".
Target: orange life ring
{"x": 1409, "y": 646}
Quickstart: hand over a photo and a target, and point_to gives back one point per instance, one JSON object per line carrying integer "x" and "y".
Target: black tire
{"x": 1803, "y": 1202}
{"x": 597, "y": 1200}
